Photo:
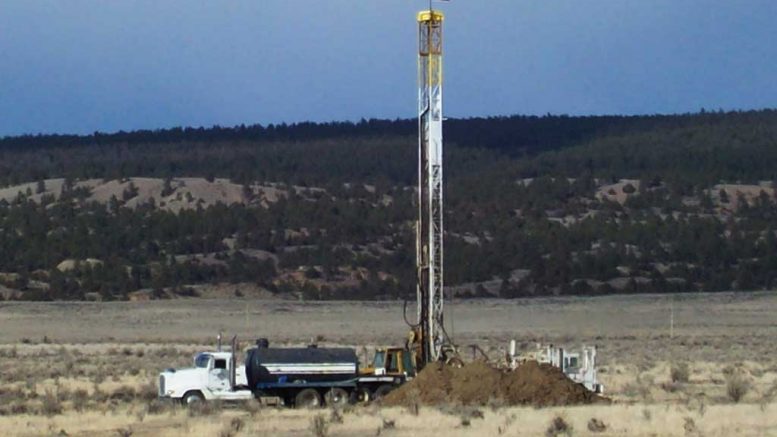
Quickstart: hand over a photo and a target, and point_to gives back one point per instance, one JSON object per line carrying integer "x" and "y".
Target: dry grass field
{"x": 693, "y": 364}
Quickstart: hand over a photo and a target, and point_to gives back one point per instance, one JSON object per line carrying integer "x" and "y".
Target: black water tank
{"x": 268, "y": 365}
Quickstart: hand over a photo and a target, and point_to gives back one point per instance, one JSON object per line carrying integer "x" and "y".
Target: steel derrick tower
{"x": 429, "y": 228}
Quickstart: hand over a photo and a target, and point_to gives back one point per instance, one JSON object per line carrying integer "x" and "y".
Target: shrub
{"x": 495, "y": 403}
{"x": 252, "y": 406}
{"x": 679, "y": 372}
{"x": 558, "y": 426}
{"x": 51, "y": 404}
{"x": 414, "y": 402}
{"x": 336, "y": 416}
{"x": 318, "y": 426}
{"x": 124, "y": 432}
{"x": 672, "y": 387}
{"x": 124, "y": 393}
{"x": 639, "y": 388}
{"x": 236, "y": 424}
{"x": 234, "y": 427}
{"x": 80, "y": 399}
{"x": 148, "y": 391}
{"x": 205, "y": 408}
{"x": 98, "y": 395}
{"x": 596, "y": 425}
{"x": 19, "y": 408}
{"x": 737, "y": 386}
{"x": 157, "y": 407}
{"x": 63, "y": 394}
{"x": 689, "y": 426}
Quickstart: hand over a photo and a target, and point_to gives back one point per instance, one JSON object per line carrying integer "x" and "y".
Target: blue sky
{"x": 78, "y": 66}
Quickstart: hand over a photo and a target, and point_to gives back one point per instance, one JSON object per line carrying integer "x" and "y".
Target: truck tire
{"x": 337, "y": 397}
{"x": 191, "y": 398}
{"x": 455, "y": 362}
{"x": 361, "y": 395}
{"x": 382, "y": 391}
{"x": 307, "y": 398}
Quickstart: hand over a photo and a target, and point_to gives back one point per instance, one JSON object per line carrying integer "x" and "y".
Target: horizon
{"x": 701, "y": 111}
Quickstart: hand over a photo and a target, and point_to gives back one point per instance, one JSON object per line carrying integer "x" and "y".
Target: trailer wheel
{"x": 382, "y": 391}
{"x": 191, "y": 398}
{"x": 360, "y": 395}
{"x": 337, "y": 397}
{"x": 307, "y": 398}
{"x": 455, "y": 362}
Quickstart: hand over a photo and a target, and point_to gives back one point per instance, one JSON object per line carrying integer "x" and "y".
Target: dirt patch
{"x": 478, "y": 383}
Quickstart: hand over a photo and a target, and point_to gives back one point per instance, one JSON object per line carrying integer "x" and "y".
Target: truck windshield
{"x": 201, "y": 360}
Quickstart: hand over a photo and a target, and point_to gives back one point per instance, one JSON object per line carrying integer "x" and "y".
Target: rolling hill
{"x": 535, "y": 206}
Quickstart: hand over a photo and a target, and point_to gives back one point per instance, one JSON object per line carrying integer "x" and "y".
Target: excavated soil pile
{"x": 478, "y": 383}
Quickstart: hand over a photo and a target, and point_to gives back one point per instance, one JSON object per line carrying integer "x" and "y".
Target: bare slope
{"x": 177, "y": 194}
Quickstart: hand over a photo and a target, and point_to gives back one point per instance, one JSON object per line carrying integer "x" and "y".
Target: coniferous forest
{"x": 535, "y": 206}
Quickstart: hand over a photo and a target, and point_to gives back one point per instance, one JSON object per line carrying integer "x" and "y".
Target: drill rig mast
{"x": 429, "y": 228}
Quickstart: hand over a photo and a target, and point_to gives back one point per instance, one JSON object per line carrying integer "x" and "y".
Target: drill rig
{"x": 429, "y": 338}
{"x": 428, "y": 342}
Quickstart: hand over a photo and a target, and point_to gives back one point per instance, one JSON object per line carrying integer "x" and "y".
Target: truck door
{"x": 218, "y": 376}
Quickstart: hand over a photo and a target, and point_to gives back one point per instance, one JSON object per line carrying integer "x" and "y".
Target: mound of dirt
{"x": 478, "y": 383}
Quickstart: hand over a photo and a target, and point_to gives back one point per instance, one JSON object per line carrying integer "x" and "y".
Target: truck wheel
{"x": 360, "y": 395}
{"x": 192, "y": 397}
{"x": 337, "y": 397}
{"x": 308, "y": 398}
{"x": 382, "y": 391}
{"x": 455, "y": 362}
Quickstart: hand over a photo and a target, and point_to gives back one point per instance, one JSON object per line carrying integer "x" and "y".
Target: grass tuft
{"x": 737, "y": 386}
{"x": 558, "y": 426}
{"x": 680, "y": 373}
{"x": 319, "y": 426}
{"x": 596, "y": 425}
{"x": 51, "y": 405}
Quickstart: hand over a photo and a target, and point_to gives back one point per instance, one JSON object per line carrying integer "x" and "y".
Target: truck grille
{"x": 161, "y": 385}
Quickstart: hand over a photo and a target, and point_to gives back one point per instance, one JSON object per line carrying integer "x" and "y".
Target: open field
{"x": 90, "y": 368}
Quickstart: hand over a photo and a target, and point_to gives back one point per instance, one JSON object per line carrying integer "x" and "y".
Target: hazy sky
{"x": 78, "y": 66}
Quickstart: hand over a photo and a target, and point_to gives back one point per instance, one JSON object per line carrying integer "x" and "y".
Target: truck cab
{"x": 392, "y": 362}
{"x": 214, "y": 375}
{"x": 390, "y": 368}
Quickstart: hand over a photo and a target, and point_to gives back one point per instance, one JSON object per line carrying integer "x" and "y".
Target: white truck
{"x": 214, "y": 376}
{"x": 303, "y": 377}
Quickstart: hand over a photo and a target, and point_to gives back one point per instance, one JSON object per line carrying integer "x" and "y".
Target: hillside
{"x": 166, "y": 194}
{"x": 535, "y": 206}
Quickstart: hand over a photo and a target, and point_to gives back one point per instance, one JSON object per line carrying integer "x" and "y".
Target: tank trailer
{"x": 304, "y": 376}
